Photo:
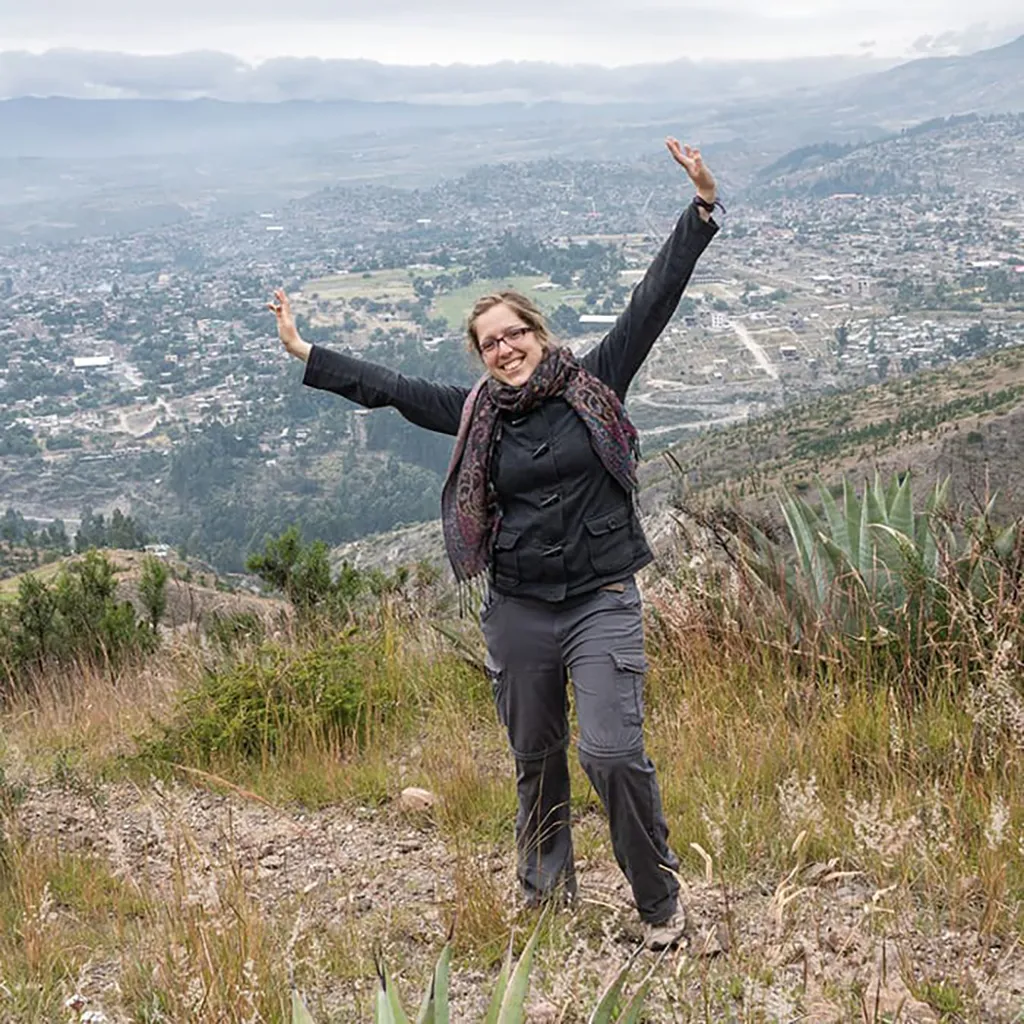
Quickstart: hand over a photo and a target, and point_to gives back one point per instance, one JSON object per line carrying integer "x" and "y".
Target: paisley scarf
{"x": 469, "y": 505}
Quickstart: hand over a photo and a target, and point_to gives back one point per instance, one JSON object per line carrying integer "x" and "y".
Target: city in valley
{"x": 140, "y": 370}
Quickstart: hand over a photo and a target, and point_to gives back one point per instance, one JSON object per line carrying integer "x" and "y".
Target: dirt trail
{"x": 385, "y": 877}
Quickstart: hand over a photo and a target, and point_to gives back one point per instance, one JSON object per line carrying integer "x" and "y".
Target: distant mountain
{"x": 987, "y": 82}
{"x": 57, "y": 127}
{"x": 94, "y": 75}
{"x": 717, "y": 102}
{"x": 986, "y": 151}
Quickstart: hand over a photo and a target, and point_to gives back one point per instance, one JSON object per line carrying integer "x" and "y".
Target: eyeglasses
{"x": 513, "y": 334}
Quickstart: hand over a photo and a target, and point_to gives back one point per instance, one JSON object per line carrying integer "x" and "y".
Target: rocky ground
{"x": 818, "y": 945}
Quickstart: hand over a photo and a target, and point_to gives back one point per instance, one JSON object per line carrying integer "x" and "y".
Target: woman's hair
{"x": 520, "y": 305}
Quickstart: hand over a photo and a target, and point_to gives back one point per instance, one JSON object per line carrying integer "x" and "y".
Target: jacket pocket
{"x": 609, "y": 541}
{"x": 506, "y": 557}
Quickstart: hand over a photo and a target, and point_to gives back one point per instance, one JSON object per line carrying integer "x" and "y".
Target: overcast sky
{"x": 611, "y": 32}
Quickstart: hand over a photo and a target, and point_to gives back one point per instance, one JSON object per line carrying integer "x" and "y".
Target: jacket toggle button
{"x": 541, "y": 450}
{"x": 555, "y": 549}
{"x": 549, "y": 500}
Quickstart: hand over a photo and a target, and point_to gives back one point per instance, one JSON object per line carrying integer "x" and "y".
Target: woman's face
{"x": 509, "y": 348}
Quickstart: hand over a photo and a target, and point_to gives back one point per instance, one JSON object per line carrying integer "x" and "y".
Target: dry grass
{"x": 824, "y": 821}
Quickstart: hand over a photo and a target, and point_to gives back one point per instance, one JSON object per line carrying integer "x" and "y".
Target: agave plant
{"x": 870, "y": 566}
{"x": 508, "y": 1001}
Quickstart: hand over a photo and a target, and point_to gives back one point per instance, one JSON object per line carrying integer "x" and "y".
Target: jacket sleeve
{"x": 423, "y": 402}
{"x": 620, "y": 355}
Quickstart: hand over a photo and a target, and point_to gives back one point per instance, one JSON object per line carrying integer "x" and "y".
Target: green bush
{"x": 231, "y": 632}
{"x": 75, "y": 618}
{"x": 270, "y": 701}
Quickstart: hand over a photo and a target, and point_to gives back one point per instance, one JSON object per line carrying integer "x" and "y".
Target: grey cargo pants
{"x": 596, "y": 639}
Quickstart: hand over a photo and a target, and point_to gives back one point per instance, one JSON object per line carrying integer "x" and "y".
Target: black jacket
{"x": 567, "y": 527}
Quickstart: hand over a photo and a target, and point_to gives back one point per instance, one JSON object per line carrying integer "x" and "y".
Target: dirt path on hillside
{"x": 798, "y": 946}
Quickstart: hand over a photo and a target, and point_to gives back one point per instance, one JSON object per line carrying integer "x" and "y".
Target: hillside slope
{"x": 965, "y": 421}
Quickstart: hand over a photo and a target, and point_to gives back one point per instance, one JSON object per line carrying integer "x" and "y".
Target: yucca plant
{"x": 508, "y": 1001}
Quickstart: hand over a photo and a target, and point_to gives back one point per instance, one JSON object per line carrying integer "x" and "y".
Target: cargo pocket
{"x": 608, "y": 541}
{"x": 630, "y": 669}
{"x": 498, "y": 690}
{"x": 506, "y": 558}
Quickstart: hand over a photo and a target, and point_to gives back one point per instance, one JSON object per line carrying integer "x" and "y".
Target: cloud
{"x": 608, "y": 32}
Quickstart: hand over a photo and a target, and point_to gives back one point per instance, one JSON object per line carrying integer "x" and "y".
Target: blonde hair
{"x": 520, "y": 305}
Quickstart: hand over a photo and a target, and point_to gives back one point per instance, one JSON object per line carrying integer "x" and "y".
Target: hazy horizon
{"x": 608, "y": 33}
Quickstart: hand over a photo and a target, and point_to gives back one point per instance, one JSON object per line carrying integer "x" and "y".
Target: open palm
{"x": 691, "y": 161}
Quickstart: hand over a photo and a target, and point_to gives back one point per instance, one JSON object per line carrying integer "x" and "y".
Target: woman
{"x": 539, "y": 496}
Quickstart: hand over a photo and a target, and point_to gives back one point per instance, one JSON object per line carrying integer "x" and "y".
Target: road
{"x": 756, "y": 350}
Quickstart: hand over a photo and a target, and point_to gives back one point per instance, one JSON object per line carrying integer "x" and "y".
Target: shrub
{"x": 230, "y": 632}
{"x": 76, "y": 618}
{"x": 269, "y": 701}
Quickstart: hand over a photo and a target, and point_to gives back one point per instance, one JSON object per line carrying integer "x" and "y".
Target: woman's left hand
{"x": 691, "y": 162}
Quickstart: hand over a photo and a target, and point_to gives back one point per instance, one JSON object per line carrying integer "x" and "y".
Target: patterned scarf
{"x": 469, "y": 512}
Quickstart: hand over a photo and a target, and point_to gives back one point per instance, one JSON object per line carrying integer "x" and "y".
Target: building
{"x": 93, "y": 362}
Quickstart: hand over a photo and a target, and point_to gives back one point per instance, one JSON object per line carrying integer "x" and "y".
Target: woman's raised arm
{"x": 434, "y": 406}
{"x": 620, "y": 355}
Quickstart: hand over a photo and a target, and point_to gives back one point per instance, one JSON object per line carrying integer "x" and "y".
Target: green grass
{"x": 381, "y": 285}
{"x": 455, "y": 306}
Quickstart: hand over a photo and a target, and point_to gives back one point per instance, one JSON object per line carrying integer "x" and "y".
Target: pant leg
{"x": 603, "y": 647}
{"x": 524, "y": 663}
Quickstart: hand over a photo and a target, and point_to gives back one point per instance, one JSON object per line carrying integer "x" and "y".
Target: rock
{"x": 272, "y": 862}
{"x": 408, "y": 845}
{"x": 894, "y": 1002}
{"x": 416, "y": 801}
{"x": 540, "y": 1011}
{"x": 840, "y": 941}
{"x": 715, "y": 942}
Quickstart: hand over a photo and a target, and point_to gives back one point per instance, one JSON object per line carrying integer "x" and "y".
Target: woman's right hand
{"x": 286, "y": 329}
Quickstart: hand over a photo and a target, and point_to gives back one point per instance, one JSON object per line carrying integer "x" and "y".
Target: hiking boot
{"x": 668, "y": 934}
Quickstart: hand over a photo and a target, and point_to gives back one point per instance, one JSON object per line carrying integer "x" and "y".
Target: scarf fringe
{"x": 474, "y": 593}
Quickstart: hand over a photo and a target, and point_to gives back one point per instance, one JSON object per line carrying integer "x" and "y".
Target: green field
{"x": 455, "y": 306}
{"x": 395, "y": 285}
{"x": 381, "y": 285}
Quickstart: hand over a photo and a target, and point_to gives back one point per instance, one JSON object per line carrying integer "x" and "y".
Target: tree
{"x": 153, "y": 589}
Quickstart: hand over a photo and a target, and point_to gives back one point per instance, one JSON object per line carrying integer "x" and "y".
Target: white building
{"x": 93, "y": 362}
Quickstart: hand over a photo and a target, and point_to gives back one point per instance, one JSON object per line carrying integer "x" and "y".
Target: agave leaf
{"x": 631, "y": 1014}
{"x": 394, "y": 1001}
{"x": 633, "y": 1009}
{"x": 865, "y": 547}
{"x": 852, "y": 510}
{"x": 434, "y": 1009}
{"x": 879, "y": 494}
{"x": 382, "y": 1013}
{"x": 891, "y": 490}
{"x": 1006, "y": 541}
{"x": 899, "y": 558}
{"x": 427, "y": 1013}
{"x": 300, "y": 1015}
{"x": 901, "y": 509}
{"x": 803, "y": 528}
{"x": 499, "y": 989}
{"x": 837, "y": 522}
{"x": 609, "y": 1001}
{"x": 513, "y": 1005}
